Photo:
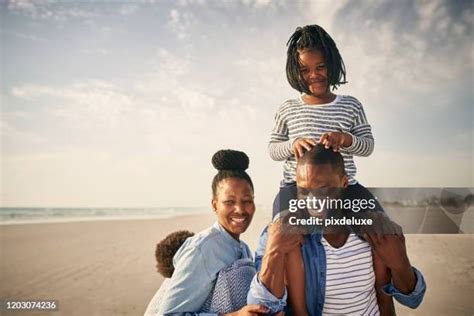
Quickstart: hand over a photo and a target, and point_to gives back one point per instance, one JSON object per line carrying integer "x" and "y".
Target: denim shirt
{"x": 314, "y": 257}
{"x": 197, "y": 263}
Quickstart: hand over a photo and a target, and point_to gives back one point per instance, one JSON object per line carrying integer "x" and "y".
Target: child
{"x": 164, "y": 253}
{"x": 314, "y": 67}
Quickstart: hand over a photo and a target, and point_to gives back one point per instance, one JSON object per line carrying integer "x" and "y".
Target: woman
{"x": 202, "y": 257}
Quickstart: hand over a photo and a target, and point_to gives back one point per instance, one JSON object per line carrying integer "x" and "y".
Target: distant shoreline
{"x": 44, "y": 215}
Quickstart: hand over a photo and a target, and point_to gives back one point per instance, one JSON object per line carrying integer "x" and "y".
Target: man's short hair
{"x": 319, "y": 155}
{"x": 167, "y": 248}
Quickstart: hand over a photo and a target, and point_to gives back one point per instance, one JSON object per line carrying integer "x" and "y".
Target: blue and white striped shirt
{"x": 350, "y": 279}
{"x": 297, "y": 119}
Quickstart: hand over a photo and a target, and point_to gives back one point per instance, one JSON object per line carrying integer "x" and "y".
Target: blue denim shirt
{"x": 314, "y": 257}
{"x": 197, "y": 263}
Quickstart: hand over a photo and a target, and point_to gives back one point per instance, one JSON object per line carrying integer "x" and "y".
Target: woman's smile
{"x": 239, "y": 220}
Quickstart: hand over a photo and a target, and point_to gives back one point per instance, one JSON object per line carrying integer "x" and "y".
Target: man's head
{"x": 166, "y": 249}
{"x": 321, "y": 168}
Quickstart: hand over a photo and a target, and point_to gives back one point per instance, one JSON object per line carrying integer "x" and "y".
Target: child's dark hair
{"x": 313, "y": 37}
{"x": 319, "y": 155}
{"x": 167, "y": 248}
{"x": 230, "y": 164}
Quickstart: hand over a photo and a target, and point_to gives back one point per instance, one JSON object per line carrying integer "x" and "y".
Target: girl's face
{"x": 314, "y": 72}
{"x": 234, "y": 205}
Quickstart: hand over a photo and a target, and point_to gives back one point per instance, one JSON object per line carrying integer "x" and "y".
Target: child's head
{"x": 166, "y": 249}
{"x": 313, "y": 62}
{"x": 321, "y": 168}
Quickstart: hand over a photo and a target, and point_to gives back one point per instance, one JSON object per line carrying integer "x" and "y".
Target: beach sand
{"x": 108, "y": 267}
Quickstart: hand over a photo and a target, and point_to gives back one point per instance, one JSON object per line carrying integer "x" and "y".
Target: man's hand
{"x": 336, "y": 140}
{"x": 301, "y": 145}
{"x": 391, "y": 250}
{"x": 280, "y": 242}
{"x": 282, "y": 239}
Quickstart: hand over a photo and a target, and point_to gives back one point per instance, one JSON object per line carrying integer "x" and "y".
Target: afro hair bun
{"x": 228, "y": 159}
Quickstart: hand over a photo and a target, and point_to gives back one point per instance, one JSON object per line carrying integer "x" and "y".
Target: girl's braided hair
{"x": 313, "y": 37}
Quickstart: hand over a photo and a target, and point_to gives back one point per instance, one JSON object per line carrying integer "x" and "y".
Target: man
{"x": 329, "y": 281}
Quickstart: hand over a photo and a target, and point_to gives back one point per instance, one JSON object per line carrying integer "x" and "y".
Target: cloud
{"x": 154, "y": 119}
{"x": 89, "y": 105}
{"x": 48, "y": 9}
{"x": 96, "y": 51}
{"x": 128, "y": 9}
{"x": 405, "y": 46}
{"x": 19, "y": 136}
{"x": 180, "y": 22}
{"x": 30, "y": 37}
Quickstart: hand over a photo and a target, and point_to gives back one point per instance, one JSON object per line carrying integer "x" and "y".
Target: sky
{"x": 122, "y": 104}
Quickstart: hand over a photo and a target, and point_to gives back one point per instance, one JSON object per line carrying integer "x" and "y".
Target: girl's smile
{"x": 314, "y": 72}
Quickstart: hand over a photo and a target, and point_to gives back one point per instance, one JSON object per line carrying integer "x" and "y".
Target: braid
{"x": 313, "y": 37}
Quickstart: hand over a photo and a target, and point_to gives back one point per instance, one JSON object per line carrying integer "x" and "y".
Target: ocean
{"x": 33, "y": 215}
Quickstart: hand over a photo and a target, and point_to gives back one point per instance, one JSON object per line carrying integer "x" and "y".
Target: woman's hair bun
{"x": 228, "y": 159}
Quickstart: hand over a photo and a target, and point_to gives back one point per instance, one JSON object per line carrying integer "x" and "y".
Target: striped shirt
{"x": 297, "y": 119}
{"x": 350, "y": 279}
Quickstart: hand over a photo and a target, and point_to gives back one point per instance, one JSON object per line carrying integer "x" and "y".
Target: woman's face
{"x": 234, "y": 206}
{"x": 314, "y": 71}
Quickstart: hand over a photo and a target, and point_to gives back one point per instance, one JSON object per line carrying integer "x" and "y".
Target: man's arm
{"x": 407, "y": 284}
{"x": 382, "y": 277}
{"x": 268, "y": 286}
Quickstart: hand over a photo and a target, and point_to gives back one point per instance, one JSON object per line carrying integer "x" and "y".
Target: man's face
{"x": 313, "y": 177}
{"x": 319, "y": 182}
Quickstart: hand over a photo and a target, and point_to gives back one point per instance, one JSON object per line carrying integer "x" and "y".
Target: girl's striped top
{"x": 296, "y": 119}
{"x": 350, "y": 279}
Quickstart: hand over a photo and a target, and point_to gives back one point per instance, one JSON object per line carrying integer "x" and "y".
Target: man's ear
{"x": 345, "y": 181}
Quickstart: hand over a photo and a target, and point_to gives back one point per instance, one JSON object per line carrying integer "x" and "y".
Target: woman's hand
{"x": 250, "y": 310}
{"x": 336, "y": 140}
{"x": 301, "y": 145}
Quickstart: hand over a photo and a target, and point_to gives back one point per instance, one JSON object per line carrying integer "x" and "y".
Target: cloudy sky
{"x": 119, "y": 103}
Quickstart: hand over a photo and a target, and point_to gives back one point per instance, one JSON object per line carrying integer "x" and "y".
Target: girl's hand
{"x": 301, "y": 145}
{"x": 336, "y": 140}
{"x": 250, "y": 310}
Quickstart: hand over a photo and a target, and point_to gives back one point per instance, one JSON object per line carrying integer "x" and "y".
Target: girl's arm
{"x": 295, "y": 280}
{"x": 382, "y": 277}
{"x": 362, "y": 143}
{"x": 279, "y": 146}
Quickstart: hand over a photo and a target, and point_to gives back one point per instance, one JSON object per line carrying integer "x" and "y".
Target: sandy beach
{"x": 108, "y": 268}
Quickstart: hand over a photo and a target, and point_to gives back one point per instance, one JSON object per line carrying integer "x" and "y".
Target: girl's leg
{"x": 295, "y": 282}
{"x": 358, "y": 191}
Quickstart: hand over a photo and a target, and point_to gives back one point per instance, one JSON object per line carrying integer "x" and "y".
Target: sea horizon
{"x": 49, "y": 215}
